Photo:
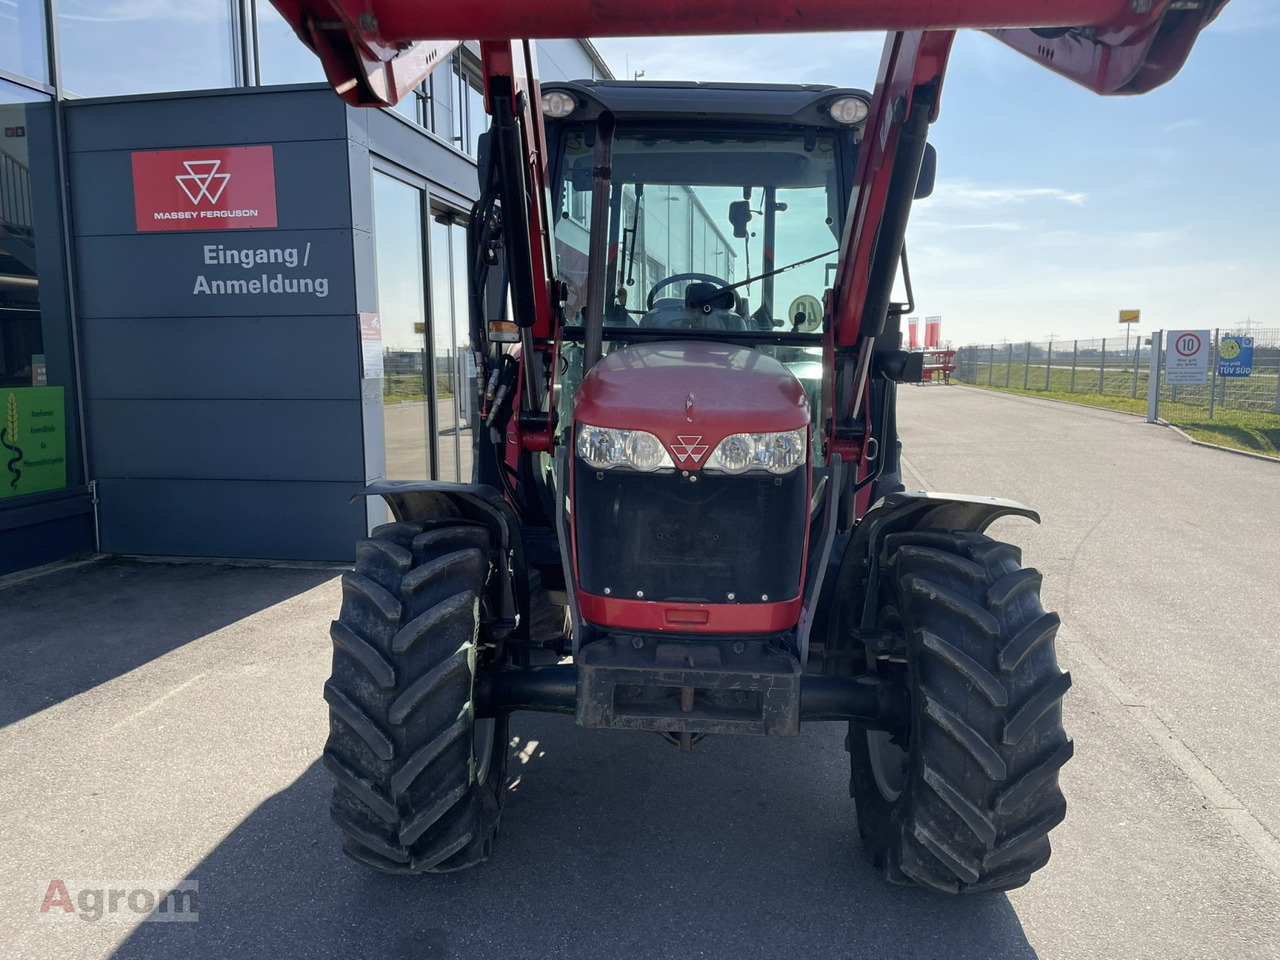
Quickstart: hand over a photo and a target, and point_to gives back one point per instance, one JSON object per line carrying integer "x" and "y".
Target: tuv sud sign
{"x": 210, "y": 188}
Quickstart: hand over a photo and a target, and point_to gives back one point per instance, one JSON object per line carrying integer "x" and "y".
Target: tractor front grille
{"x": 704, "y": 538}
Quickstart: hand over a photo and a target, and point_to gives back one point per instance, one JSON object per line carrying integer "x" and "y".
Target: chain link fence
{"x": 1241, "y": 411}
{"x": 1099, "y": 367}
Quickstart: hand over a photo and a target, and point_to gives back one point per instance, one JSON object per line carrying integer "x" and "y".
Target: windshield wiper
{"x": 772, "y": 273}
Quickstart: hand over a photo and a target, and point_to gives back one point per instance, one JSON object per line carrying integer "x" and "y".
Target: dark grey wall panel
{"x": 193, "y": 518}
{"x": 236, "y": 423}
{"x": 222, "y": 423}
{"x": 159, "y": 274}
{"x": 311, "y": 189}
{"x": 366, "y": 268}
{"x": 303, "y": 440}
{"x": 198, "y": 120}
{"x": 375, "y": 455}
{"x": 281, "y": 358}
{"x": 358, "y": 168}
{"x": 58, "y": 539}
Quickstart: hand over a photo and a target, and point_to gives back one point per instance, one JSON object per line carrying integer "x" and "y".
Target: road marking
{"x": 911, "y": 469}
{"x": 159, "y": 700}
{"x": 1219, "y": 796}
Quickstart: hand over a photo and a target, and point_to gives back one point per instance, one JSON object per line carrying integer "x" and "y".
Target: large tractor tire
{"x": 964, "y": 801}
{"x": 418, "y": 780}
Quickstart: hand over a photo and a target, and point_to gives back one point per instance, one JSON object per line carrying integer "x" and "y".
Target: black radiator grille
{"x": 713, "y": 539}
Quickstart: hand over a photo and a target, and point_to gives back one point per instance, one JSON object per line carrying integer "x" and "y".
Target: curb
{"x": 1068, "y": 403}
{"x": 1125, "y": 413}
{"x": 19, "y": 577}
{"x": 1217, "y": 446}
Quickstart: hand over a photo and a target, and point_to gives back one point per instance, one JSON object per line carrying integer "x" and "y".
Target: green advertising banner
{"x": 33, "y": 441}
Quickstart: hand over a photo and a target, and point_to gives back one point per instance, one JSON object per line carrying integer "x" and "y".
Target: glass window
{"x": 478, "y": 119}
{"x": 23, "y": 46}
{"x": 411, "y": 105}
{"x": 282, "y": 57}
{"x": 459, "y": 103}
{"x": 36, "y": 367}
{"x": 398, "y": 244}
{"x": 116, "y": 47}
{"x": 748, "y": 210}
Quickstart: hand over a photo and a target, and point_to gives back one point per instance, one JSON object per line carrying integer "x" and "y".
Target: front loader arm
{"x": 1124, "y": 57}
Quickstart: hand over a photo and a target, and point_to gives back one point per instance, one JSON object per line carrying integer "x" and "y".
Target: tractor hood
{"x": 691, "y": 395}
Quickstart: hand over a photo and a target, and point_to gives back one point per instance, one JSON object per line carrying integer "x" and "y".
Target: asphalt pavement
{"x": 161, "y": 724}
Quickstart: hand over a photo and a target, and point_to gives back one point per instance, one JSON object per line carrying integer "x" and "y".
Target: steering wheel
{"x": 676, "y": 278}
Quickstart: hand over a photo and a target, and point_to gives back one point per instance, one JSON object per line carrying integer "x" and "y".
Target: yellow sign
{"x": 1130, "y": 316}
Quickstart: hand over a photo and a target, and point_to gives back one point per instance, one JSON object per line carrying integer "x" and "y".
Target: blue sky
{"x": 1056, "y": 208}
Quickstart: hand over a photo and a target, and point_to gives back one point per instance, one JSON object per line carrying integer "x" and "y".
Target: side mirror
{"x": 740, "y": 216}
{"x": 928, "y": 172}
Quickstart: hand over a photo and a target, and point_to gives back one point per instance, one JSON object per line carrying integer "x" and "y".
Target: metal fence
{"x": 1120, "y": 371}
{"x": 1100, "y": 367}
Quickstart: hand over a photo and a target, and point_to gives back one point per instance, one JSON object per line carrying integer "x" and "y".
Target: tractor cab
{"x": 722, "y": 218}
{"x": 690, "y": 395}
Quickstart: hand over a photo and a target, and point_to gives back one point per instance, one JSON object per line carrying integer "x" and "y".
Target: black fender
{"x": 480, "y": 503}
{"x": 849, "y": 618}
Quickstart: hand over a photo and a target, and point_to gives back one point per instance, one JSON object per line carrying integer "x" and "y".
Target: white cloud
{"x": 967, "y": 194}
{"x": 1000, "y": 226}
{"x": 1179, "y": 125}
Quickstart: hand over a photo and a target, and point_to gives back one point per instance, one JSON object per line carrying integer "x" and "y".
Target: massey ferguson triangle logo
{"x": 203, "y": 180}
{"x": 204, "y": 188}
{"x": 689, "y": 448}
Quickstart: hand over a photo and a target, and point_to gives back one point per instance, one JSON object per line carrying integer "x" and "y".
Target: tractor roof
{"x": 672, "y": 99}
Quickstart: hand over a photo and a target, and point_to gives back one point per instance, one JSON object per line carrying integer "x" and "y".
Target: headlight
{"x": 605, "y": 447}
{"x": 775, "y": 452}
{"x": 557, "y": 105}
{"x": 849, "y": 110}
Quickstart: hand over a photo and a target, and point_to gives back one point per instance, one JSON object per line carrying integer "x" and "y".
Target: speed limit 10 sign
{"x": 1187, "y": 357}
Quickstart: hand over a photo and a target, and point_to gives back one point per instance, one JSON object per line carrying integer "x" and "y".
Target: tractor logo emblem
{"x": 689, "y": 448}
{"x": 203, "y": 180}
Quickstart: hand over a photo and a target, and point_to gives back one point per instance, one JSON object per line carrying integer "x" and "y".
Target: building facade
{"x": 227, "y": 300}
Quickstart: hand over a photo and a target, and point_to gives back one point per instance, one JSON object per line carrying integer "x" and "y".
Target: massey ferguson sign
{"x": 214, "y": 188}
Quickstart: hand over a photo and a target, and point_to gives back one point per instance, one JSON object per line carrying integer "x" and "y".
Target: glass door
{"x": 407, "y": 369}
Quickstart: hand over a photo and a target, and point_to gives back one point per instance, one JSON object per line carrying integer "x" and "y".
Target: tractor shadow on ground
{"x": 612, "y": 845}
{"x": 70, "y": 630}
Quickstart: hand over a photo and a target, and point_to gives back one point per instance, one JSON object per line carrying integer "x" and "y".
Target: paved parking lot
{"x": 162, "y": 722}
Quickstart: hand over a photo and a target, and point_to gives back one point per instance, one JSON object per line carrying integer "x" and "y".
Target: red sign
{"x": 932, "y": 332}
{"x": 211, "y": 188}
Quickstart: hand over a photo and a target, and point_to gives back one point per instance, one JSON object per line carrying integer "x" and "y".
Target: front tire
{"x": 963, "y": 802}
{"x": 418, "y": 781}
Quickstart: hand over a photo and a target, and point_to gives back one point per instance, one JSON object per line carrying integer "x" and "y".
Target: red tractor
{"x": 688, "y": 514}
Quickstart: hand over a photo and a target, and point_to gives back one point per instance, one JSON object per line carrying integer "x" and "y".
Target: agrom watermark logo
{"x": 203, "y": 180}
{"x": 120, "y": 902}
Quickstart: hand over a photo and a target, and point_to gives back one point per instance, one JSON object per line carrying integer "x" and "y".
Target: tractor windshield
{"x": 731, "y": 232}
